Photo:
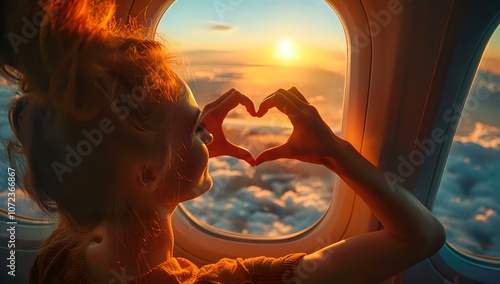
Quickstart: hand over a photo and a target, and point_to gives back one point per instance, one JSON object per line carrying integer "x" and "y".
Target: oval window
{"x": 258, "y": 47}
{"x": 19, "y": 204}
{"x": 468, "y": 200}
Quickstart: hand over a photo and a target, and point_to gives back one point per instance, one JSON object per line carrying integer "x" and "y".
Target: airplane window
{"x": 19, "y": 204}
{"x": 258, "y": 47}
{"x": 468, "y": 201}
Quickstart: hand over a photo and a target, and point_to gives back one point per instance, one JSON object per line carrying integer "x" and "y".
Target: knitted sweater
{"x": 61, "y": 260}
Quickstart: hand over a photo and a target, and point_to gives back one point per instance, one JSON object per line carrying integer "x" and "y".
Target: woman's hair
{"x": 95, "y": 94}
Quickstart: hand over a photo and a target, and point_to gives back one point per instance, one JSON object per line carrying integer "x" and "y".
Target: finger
{"x": 264, "y": 108}
{"x": 292, "y": 94}
{"x": 282, "y": 103}
{"x": 280, "y": 90}
{"x": 229, "y": 102}
{"x": 296, "y": 92}
{"x": 233, "y": 96}
{"x": 233, "y": 100}
{"x": 295, "y": 96}
{"x": 272, "y": 154}
{"x": 247, "y": 103}
{"x": 219, "y": 100}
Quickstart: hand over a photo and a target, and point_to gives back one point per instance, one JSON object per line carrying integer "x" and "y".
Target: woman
{"x": 113, "y": 141}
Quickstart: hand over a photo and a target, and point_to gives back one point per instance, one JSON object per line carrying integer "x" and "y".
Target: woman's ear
{"x": 148, "y": 177}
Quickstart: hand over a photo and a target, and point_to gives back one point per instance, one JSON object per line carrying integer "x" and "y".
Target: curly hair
{"x": 92, "y": 90}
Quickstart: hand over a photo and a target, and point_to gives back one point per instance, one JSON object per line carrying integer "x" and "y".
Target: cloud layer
{"x": 468, "y": 201}
{"x": 271, "y": 200}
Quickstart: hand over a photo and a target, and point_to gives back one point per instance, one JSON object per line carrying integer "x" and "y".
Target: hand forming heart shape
{"x": 310, "y": 141}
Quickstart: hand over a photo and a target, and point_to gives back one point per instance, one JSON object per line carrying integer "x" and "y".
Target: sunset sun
{"x": 286, "y": 50}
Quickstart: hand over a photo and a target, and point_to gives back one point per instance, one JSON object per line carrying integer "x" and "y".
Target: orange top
{"x": 252, "y": 270}
{"x": 61, "y": 260}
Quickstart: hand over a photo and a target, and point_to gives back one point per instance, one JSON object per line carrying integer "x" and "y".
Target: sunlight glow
{"x": 286, "y": 50}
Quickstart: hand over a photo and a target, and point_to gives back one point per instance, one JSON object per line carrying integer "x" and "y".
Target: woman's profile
{"x": 112, "y": 140}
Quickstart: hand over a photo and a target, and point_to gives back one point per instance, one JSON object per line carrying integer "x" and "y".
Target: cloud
{"x": 209, "y": 60}
{"x": 219, "y": 26}
{"x": 468, "y": 201}
{"x": 269, "y": 200}
{"x": 206, "y": 77}
{"x": 485, "y": 135}
{"x": 492, "y": 64}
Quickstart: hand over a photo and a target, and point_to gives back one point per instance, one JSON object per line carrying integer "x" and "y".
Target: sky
{"x": 226, "y": 44}
{"x": 491, "y": 55}
{"x": 305, "y": 33}
{"x": 249, "y": 34}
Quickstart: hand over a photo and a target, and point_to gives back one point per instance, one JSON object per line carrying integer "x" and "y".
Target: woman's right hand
{"x": 311, "y": 140}
{"x": 213, "y": 115}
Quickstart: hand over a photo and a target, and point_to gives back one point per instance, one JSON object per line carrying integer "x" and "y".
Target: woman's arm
{"x": 411, "y": 233}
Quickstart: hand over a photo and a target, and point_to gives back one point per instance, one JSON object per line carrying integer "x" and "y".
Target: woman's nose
{"x": 206, "y": 137}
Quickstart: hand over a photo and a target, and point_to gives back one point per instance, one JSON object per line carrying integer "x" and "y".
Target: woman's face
{"x": 189, "y": 176}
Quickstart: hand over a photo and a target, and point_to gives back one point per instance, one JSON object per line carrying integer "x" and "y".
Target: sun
{"x": 286, "y": 50}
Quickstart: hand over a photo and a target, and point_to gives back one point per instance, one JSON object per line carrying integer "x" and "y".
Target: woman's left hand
{"x": 212, "y": 117}
{"x": 311, "y": 140}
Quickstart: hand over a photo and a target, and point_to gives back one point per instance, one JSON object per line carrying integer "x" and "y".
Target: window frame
{"x": 30, "y": 232}
{"x": 349, "y": 215}
{"x": 450, "y": 262}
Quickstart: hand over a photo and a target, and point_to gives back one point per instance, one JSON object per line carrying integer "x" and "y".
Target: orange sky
{"x": 307, "y": 34}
